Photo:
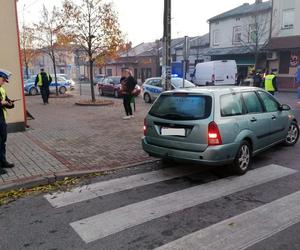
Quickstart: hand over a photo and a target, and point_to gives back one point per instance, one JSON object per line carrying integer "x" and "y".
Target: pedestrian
{"x": 43, "y": 80}
{"x": 257, "y": 79}
{"x": 239, "y": 79}
{"x": 5, "y": 103}
{"x": 128, "y": 87}
{"x": 270, "y": 82}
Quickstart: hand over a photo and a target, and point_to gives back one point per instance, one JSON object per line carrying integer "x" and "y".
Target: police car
{"x": 152, "y": 87}
{"x": 62, "y": 84}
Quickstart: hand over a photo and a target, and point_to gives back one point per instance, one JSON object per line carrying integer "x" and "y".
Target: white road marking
{"x": 95, "y": 190}
{"x": 244, "y": 230}
{"x": 110, "y": 222}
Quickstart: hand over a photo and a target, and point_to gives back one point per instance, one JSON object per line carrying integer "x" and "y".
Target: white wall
{"x": 278, "y": 7}
{"x": 226, "y": 27}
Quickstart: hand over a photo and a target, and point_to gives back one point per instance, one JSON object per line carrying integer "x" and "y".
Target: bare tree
{"x": 27, "y": 47}
{"x": 254, "y": 34}
{"x": 47, "y": 32}
{"x": 95, "y": 28}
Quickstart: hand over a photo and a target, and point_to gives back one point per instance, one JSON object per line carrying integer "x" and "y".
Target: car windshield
{"x": 178, "y": 83}
{"x": 181, "y": 106}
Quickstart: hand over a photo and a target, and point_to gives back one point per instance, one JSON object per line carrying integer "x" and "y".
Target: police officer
{"x": 270, "y": 82}
{"x": 5, "y": 103}
{"x": 43, "y": 80}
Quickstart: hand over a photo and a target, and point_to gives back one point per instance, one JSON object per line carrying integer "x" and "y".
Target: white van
{"x": 215, "y": 73}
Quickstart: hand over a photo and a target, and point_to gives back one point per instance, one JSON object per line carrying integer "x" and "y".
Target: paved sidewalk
{"x": 65, "y": 138}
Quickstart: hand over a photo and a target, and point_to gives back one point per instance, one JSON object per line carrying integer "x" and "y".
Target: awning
{"x": 241, "y": 50}
{"x": 290, "y": 42}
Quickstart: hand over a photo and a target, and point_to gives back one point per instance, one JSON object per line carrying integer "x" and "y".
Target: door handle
{"x": 273, "y": 117}
{"x": 253, "y": 119}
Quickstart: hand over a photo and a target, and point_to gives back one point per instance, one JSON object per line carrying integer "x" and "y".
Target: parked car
{"x": 217, "y": 125}
{"x": 98, "y": 78}
{"x": 215, "y": 73}
{"x": 62, "y": 84}
{"x": 111, "y": 86}
{"x": 152, "y": 87}
{"x": 67, "y": 79}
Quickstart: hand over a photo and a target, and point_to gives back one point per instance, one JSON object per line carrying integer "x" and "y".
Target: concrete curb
{"x": 51, "y": 178}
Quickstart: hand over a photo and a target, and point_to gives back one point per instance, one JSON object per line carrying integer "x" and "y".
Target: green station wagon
{"x": 217, "y": 125}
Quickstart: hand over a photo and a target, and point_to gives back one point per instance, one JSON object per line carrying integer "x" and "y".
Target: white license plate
{"x": 173, "y": 131}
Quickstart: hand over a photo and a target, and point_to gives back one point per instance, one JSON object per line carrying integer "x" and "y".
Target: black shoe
{"x": 8, "y": 165}
{"x": 2, "y": 171}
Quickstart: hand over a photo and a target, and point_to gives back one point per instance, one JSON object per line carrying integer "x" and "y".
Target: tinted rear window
{"x": 183, "y": 107}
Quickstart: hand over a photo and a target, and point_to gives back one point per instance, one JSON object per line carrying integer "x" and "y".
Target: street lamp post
{"x": 167, "y": 45}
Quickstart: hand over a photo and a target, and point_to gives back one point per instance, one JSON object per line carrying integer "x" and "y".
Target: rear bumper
{"x": 212, "y": 156}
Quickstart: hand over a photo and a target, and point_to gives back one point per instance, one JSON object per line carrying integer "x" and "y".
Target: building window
{"x": 174, "y": 58}
{"x": 216, "y": 37}
{"x": 109, "y": 72}
{"x": 288, "y": 18}
{"x": 237, "y": 34}
{"x": 252, "y": 33}
{"x": 100, "y": 71}
{"x": 61, "y": 71}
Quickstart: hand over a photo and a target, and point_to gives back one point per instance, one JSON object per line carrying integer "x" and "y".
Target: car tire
{"x": 147, "y": 98}
{"x": 100, "y": 92}
{"x": 33, "y": 91}
{"x": 62, "y": 90}
{"x": 292, "y": 135}
{"x": 243, "y": 159}
{"x": 116, "y": 94}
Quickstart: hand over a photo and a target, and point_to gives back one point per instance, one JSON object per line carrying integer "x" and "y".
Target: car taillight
{"x": 214, "y": 136}
{"x": 145, "y": 127}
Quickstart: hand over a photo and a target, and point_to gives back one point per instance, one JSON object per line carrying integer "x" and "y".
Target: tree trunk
{"x": 26, "y": 70}
{"x": 92, "y": 80}
{"x": 55, "y": 76}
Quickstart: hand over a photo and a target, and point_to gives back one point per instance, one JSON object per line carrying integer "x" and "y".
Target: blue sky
{"x": 141, "y": 20}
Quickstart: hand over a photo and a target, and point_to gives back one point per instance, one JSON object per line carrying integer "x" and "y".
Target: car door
{"x": 258, "y": 122}
{"x": 105, "y": 87}
{"x": 279, "y": 119}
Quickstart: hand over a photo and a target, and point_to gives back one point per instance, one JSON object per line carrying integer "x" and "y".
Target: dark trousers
{"x": 3, "y": 137}
{"x": 272, "y": 92}
{"x": 127, "y": 106}
{"x": 45, "y": 94}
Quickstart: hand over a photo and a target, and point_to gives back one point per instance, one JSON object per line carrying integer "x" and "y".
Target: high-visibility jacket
{"x": 3, "y": 98}
{"x": 40, "y": 79}
{"x": 269, "y": 83}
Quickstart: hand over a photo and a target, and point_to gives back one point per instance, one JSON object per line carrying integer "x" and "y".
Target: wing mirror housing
{"x": 284, "y": 107}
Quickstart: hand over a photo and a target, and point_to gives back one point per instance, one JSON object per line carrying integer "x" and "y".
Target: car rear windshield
{"x": 182, "y": 107}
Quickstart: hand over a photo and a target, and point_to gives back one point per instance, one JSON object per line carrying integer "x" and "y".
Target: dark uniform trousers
{"x": 45, "y": 93}
{"x": 3, "y": 138}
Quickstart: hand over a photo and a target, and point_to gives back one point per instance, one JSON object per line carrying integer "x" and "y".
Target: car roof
{"x": 215, "y": 89}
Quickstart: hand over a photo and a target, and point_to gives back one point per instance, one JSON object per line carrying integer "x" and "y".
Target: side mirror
{"x": 284, "y": 107}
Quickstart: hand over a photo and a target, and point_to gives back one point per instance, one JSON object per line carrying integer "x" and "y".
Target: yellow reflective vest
{"x": 3, "y": 98}
{"x": 40, "y": 79}
{"x": 269, "y": 83}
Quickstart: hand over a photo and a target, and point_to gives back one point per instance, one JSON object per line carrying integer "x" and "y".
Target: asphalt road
{"x": 175, "y": 206}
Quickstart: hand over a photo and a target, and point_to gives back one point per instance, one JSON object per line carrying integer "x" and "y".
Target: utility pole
{"x": 185, "y": 62}
{"x": 167, "y": 45}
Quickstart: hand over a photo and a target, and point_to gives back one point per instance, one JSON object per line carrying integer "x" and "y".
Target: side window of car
{"x": 157, "y": 83}
{"x": 231, "y": 104}
{"x": 270, "y": 103}
{"x": 252, "y": 102}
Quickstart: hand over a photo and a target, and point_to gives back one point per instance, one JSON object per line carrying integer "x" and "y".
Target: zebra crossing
{"x": 237, "y": 232}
